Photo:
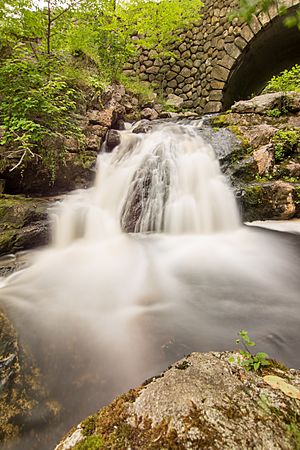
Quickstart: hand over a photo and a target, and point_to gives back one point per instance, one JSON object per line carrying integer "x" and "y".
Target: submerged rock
{"x": 201, "y": 402}
{"x": 23, "y": 399}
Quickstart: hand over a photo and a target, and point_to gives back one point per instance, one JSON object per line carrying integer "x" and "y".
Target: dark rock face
{"x": 203, "y": 401}
{"x": 264, "y": 170}
{"x": 112, "y": 140}
{"x": 23, "y": 223}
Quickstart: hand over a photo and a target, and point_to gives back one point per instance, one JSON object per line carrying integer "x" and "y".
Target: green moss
{"x": 88, "y": 426}
{"x": 297, "y": 195}
{"x": 285, "y": 143}
{"x": 90, "y": 443}
{"x": 220, "y": 121}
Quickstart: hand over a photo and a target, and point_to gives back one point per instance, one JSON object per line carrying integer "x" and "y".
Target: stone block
{"x": 227, "y": 62}
{"x": 152, "y": 70}
{"x": 185, "y": 72}
{"x": 215, "y": 96}
{"x": 247, "y": 33}
{"x": 220, "y": 73}
{"x": 240, "y": 42}
{"x": 232, "y": 50}
{"x": 255, "y": 25}
{"x": 213, "y": 107}
{"x": 170, "y": 75}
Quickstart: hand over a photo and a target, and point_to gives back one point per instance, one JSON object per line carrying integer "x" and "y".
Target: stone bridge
{"x": 217, "y": 62}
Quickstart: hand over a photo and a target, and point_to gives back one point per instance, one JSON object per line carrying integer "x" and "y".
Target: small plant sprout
{"x": 250, "y": 360}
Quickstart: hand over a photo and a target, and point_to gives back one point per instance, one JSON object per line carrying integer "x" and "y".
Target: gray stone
{"x": 292, "y": 101}
{"x": 259, "y": 104}
{"x": 182, "y": 47}
{"x": 152, "y": 70}
{"x": 240, "y": 42}
{"x": 149, "y": 113}
{"x": 201, "y": 402}
{"x": 174, "y": 100}
{"x": 186, "y": 54}
{"x": 172, "y": 84}
{"x": 112, "y": 140}
{"x": 185, "y": 72}
{"x": 246, "y": 33}
{"x": 170, "y": 75}
{"x": 220, "y": 73}
{"x": 179, "y": 78}
{"x": 213, "y": 107}
{"x": 227, "y": 62}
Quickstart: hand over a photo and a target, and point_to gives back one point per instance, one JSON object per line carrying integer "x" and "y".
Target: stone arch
{"x": 215, "y": 55}
{"x": 272, "y": 48}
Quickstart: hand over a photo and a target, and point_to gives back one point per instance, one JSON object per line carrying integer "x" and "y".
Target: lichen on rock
{"x": 202, "y": 401}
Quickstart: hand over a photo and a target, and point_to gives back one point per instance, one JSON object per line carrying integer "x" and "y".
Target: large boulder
{"x": 204, "y": 401}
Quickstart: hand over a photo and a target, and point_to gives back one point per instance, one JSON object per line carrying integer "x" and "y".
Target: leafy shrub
{"x": 36, "y": 105}
{"x": 285, "y": 143}
{"x": 288, "y": 80}
{"x": 250, "y": 361}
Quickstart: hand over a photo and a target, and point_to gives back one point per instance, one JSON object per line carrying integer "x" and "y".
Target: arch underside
{"x": 273, "y": 49}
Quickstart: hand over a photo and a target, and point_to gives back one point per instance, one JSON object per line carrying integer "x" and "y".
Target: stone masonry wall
{"x": 204, "y": 56}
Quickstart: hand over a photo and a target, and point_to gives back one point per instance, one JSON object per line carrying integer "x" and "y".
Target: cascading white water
{"x": 103, "y": 309}
{"x": 166, "y": 181}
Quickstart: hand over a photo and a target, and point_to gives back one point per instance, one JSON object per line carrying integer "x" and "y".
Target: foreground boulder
{"x": 201, "y": 402}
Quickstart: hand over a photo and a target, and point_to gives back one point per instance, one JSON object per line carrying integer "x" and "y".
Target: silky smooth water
{"x": 102, "y": 309}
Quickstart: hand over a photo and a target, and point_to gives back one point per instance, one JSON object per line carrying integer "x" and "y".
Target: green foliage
{"x": 275, "y": 112}
{"x": 53, "y": 50}
{"x": 90, "y": 443}
{"x": 250, "y": 361}
{"x": 248, "y": 8}
{"x": 285, "y": 143}
{"x": 288, "y": 80}
{"x": 36, "y": 105}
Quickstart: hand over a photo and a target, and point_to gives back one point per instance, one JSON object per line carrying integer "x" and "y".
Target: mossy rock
{"x": 272, "y": 200}
{"x": 23, "y": 223}
{"x": 203, "y": 401}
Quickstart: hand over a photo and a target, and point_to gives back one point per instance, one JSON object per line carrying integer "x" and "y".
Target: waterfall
{"x": 168, "y": 180}
{"x": 148, "y": 265}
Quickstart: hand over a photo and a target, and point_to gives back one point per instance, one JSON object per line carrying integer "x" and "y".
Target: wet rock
{"x": 203, "y": 401}
{"x": 144, "y": 126}
{"x": 244, "y": 170}
{"x": 269, "y": 200}
{"x": 112, "y": 140}
{"x": 149, "y": 113}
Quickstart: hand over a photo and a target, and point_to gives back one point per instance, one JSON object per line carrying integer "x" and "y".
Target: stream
{"x": 150, "y": 264}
